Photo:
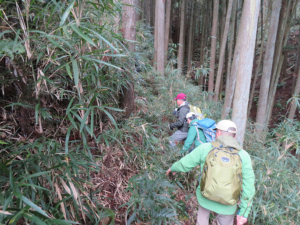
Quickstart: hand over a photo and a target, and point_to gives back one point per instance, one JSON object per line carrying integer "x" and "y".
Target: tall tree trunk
{"x": 259, "y": 59}
{"x": 231, "y": 79}
{"x": 167, "y": 27}
{"x": 246, "y": 43}
{"x": 267, "y": 70}
{"x": 297, "y": 65}
{"x": 180, "y": 59}
{"x": 152, "y": 13}
{"x": 148, "y": 11}
{"x": 213, "y": 50}
{"x": 155, "y": 36}
{"x": 222, "y": 51}
{"x": 290, "y": 12}
{"x": 160, "y": 30}
{"x": 191, "y": 37}
{"x": 296, "y": 93}
{"x": 129, "y": 33}
{"x": 202, "y": 44}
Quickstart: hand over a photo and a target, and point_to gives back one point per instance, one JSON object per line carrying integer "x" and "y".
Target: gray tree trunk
{"x": 191, "y": 37}
{"x": 213, "y": 49}
{"x": 267, "y": 70}
{"x": 180, "y": 59}
{"x": 245, "y": 42}
{"x": 222, "y": 50}
{"x": 296, "y": 93}
{"x": 129, "y": 33}
{"x": 167, "y": 27}
{"x": 160, "y": 31}
{"x": 279, "y": 60}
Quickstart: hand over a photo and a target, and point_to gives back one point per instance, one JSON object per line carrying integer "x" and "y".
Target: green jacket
{"x": 198, "y": 157}
{"x": 193, "y": 137}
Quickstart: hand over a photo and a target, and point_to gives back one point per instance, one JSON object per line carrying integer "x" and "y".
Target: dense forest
{"x": 87, "y": 95}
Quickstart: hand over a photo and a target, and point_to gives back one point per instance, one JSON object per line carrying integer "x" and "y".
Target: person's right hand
{"x": 170, "y": 171}
{"x": 240, "y": 220}
{"x": 171, "y": 128}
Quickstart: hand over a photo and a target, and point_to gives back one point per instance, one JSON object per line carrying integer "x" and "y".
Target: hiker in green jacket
{"x": 195, "y": 135}
{"x": 225, "y": 139}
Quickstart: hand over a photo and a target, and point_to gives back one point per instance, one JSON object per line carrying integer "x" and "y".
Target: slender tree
{"x": 297, "y": 65}
{"x": 277, "y": 68}
{"x": 167, "y": 27}
{"x": 180, "y": 59}
{"x": 160, "y": 31}
{"x": 222, "y": 51}
{"x": 231, "y": 75}
{"x": 213, "y": 49}
{"x": 267, "y": 70}
{"x": 129, "y": 33}
{"x": 229, "y": 60}
{"x": 296, "y": 93}
{"x": 191, "y": 37}
{"x": 257, "y": 69}
{"x": 245, "y": 42}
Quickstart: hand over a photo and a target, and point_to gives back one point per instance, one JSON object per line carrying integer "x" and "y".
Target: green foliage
{"x": 152, "y": 198}
{"x": 277, "y": 175}
{"x": 43, "y": 184}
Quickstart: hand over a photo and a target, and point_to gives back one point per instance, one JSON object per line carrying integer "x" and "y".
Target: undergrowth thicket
{"x": 83, "y": 162}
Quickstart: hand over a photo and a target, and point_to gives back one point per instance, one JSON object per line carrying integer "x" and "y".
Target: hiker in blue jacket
{"x": 195, "y": 135}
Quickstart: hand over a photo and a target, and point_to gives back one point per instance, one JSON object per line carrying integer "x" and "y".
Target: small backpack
{"x": 208, "y": 126}
{"x": 197, "y": 111}
{"x": 221, "y": 179}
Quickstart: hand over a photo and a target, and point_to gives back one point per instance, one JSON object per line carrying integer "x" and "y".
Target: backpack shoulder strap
{"x": 198, "y": 137}
{"x": 215, "y": 144}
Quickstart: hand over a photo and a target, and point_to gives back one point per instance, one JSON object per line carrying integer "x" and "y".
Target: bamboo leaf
{"x": 33, "y": 175}
{"x": 86, "y": 114}
{"x": 69, "y": 70}
{"x": 62, "y": 222}
{"x": 75, "y": 72}
{"x": 67, "y": 140}
{"x": 30, "y": 203}
{"x": 66, "y": 14}
{"x": 34, "y": 219}
{"x": 80, "y": 33}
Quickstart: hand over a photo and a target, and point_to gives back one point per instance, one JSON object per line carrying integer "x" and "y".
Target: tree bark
{"x": 167, "y": 28}
{"x": 181, "y": 36}
{"x": 129, "y": 22}
{"x": 290, "y": 12}
{"x": 129, "y": 33}
{"x": 152, "y": 12}
{"x": 222, "y": 50}
{"x": 297, "y": 65}
{"x": 246, "y": 42}
{"x": 213, "y": 50}
{"x": 160, "y": 30}
{"x": 155, "y": 36}
{"x": 259, "y": 60}
{"x": 296, "y": 93}
{"x": 148, "y": 12}
{"x": 230, "y": 79}
{"x": 191, "y": 37}
{"x": 267, "y": 70}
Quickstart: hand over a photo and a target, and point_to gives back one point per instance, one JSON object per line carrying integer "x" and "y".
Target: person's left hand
{"x": 240, "y": 220}
{"x": 169, "y": 171}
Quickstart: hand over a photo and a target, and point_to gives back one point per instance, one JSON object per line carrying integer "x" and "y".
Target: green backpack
{"x": 222, "y": 175}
